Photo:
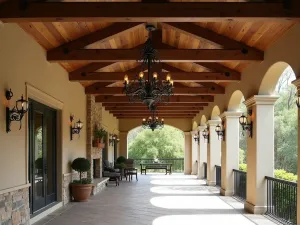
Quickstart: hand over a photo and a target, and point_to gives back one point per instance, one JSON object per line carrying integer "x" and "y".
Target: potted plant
{"x": 99, "y": 134}
{"x": 82, "y": 188}
{"x": 120, "y": 164}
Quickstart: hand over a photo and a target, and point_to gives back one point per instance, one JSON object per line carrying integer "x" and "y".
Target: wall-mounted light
{"x": 246, "y": 125}
{"x": 75, "y": 128}
{"x": 205, "y": 134}
{"x": 17, "y": 112}
{"x": 220, "y": 129}
{"x": 113, "y": 139}
{"x": 197, "y": 137}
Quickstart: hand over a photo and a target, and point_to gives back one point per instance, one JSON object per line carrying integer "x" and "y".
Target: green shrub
{"x": 121, "y": 159}
{"x": 120, "y": 165}
{"x": 99, "y": 133}
{"x": 243, "y": 167}
{"x": 81, "y": 165}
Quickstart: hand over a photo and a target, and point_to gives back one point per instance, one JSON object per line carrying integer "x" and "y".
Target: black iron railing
{"x": 218, "y": 175}
{"x": 205, "y": 170}
{"x": 240, "y": 180}
{"x": 282, "y": 200}
{"x": 177, "y": 163}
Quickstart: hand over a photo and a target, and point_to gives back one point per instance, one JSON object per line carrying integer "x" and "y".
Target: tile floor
{"x": 156, "y": 199}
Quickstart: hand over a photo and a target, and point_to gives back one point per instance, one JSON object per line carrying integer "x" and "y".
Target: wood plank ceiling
{"x": 84, "y": 49}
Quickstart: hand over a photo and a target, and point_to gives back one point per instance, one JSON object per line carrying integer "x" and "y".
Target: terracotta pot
{"x": 101, "y": 145}
{"x": 81, "y": 192}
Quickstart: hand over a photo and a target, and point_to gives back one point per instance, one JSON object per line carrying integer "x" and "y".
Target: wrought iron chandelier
{"x": 153, "y": 122}
{"x": 152, "y": 90}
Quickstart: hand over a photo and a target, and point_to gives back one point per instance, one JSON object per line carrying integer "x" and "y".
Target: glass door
{"x": 42, "y": 155}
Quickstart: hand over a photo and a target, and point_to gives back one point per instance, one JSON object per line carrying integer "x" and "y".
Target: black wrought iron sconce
{"x": 221, "y": 131}
{"x": 75, "y": 128}
{"x": 205, "y": 134}
{"x": 17, "y": 112}
{"x": 113, "y": 139}
{"x": 197, "y": 137}
{"x": 247, "y": 125}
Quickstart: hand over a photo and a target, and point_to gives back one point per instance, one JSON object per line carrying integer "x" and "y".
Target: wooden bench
{"x": 156, "y": 166}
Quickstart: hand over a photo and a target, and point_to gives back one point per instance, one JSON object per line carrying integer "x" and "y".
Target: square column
{"x": 187, "y": 153}
{"x": 260, "y": 152}
{"x": 194, "y": 153}
{"x": 230, "y": 151}
{"x": 123, "y": 150}
{"x": 297, "y": 84}
{"x": 202, "y": 153}
{"x": 213, "y": 152}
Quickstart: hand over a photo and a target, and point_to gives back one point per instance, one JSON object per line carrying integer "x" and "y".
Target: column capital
{"x": 201, "y": 128}
{"x": 188, "y": 133}
{"x": 231, "y": 114}
{"x": 213, "y": 122}
{"x": 194, "y": 132}
{"x": 261, "y": 100}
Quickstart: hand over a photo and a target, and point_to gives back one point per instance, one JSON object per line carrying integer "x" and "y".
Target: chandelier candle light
{"x": 153, "y": 122}
{"x": 152, "y": 90}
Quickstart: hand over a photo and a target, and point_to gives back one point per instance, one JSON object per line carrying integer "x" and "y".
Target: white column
{"x": 194, "y": 153}
{"x": 202, "y": 153}
{"x": 260, "y": 152}
{"x": 187, "y": 153}
{"x": 297, "y": 84}
{"x": 213, "y": 152}
{"x": 230, "y": 151}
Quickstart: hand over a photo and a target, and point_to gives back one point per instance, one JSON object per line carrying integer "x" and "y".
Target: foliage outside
{"x": 81, "y": 165}
{"x": 166, "y": 143}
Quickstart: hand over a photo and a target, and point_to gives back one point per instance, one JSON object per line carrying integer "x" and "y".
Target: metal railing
{"x": 177, "y": 163}
{"x": 205, "y": 170}
{"x": 240, "y": 180}
{"x": 282, "y": 200}
{"x": 218, "y": 175}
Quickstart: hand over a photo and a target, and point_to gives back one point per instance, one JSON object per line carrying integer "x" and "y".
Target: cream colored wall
{"x": 23, "y": 60}
{"x": 286, "y": 50}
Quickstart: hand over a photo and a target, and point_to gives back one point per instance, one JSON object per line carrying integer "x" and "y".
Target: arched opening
{"x": 162, "y": 145}
{"x": 215, "y": 114}
{"x": 203, "y": 120}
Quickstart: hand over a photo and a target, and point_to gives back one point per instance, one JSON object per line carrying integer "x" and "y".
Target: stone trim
{"x": 99, "y": 186}
{"x": 229, "y": 114}
{"x": 214, "y": 122}
{"x": 14, "y": 207}
{"x": 14, "y": 188}
{"x": 261, "y": 100}
{"x": 201, "y": 128}
{"x": 66, "y": 189}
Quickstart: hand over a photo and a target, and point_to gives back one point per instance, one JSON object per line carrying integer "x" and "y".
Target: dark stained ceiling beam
{"x": 161, "y": 109}
{"x": 165, "y": 117}
{"x": 165, "y": 55}
{"x": 95, "y": 89}
{"x": 140, "y": 104}
{"x": 173, "y": 99}
{"x": 11, "y": 11}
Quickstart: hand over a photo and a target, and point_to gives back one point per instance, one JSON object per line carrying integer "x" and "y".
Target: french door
{"x": 42, "y": 155}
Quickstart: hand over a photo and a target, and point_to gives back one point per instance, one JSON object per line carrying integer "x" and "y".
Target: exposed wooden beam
{"x": 149, "y": 113}
{"x": 12, "y": 11}
{"x": 173, "y": 99}
{"x": 100, "y": 35}
{"x": 198, "y": 32}
{"x": 161, "y": 109}
{"x": 165, "y": 55}
{"x": 218, "y": 68}
{"x": 176, "y": 76}
{"x": 82, "y": 71}
{"x": 169, "y": 117}
{"x": 139, "y": 104}
{"x": 141, "y": 116}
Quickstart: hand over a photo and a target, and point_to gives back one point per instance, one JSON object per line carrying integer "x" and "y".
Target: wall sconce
{"x": 246, "y": 125}
{"x": 298, "y": 101}
{"x": 197, "y": 137}
{"x": 17, "y": 112}
{"x": 113, "y": 139}
{"x": 76, "y": 128}
{"x": 221, "y": 131}
{"x": 205, "y": 134}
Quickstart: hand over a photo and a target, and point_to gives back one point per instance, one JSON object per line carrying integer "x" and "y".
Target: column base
{"x": 211, "y": 183}
{"x": 224, "y": 192}
{"x": 254, "y": 209}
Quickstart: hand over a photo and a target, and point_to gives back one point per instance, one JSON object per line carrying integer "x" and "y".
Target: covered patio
{"x": 157, "y": 199}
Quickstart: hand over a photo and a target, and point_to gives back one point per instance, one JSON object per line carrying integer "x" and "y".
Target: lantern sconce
{"x": 75, "y": 128}
{"x": 247, "y": 125}
{"x": 205, "y": 134}
{"x": 113, "y": 139}
{"x": 220, "y": 129}
{"x": 197, "y": 137}
{"x": 17, "y": 112}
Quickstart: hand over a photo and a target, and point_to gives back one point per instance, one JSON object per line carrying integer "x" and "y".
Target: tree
{"x": 165, "y": 143}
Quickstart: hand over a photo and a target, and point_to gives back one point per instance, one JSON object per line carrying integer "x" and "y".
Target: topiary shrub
{"x": 81, "y": 165}
{"x": 120, "y": 159}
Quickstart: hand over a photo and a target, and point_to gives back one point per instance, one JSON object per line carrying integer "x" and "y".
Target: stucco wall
{"x": 23, "y": 60}
{"x": 282, "y": 53}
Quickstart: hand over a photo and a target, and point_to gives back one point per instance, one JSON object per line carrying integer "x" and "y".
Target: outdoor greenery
{"x": 81, "y": 165}
{"x": 164, "y": 143}
{"x": 286, "y": 129}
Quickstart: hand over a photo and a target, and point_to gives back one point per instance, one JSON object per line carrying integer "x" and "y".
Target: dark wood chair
{"x": 130, "y": 170}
